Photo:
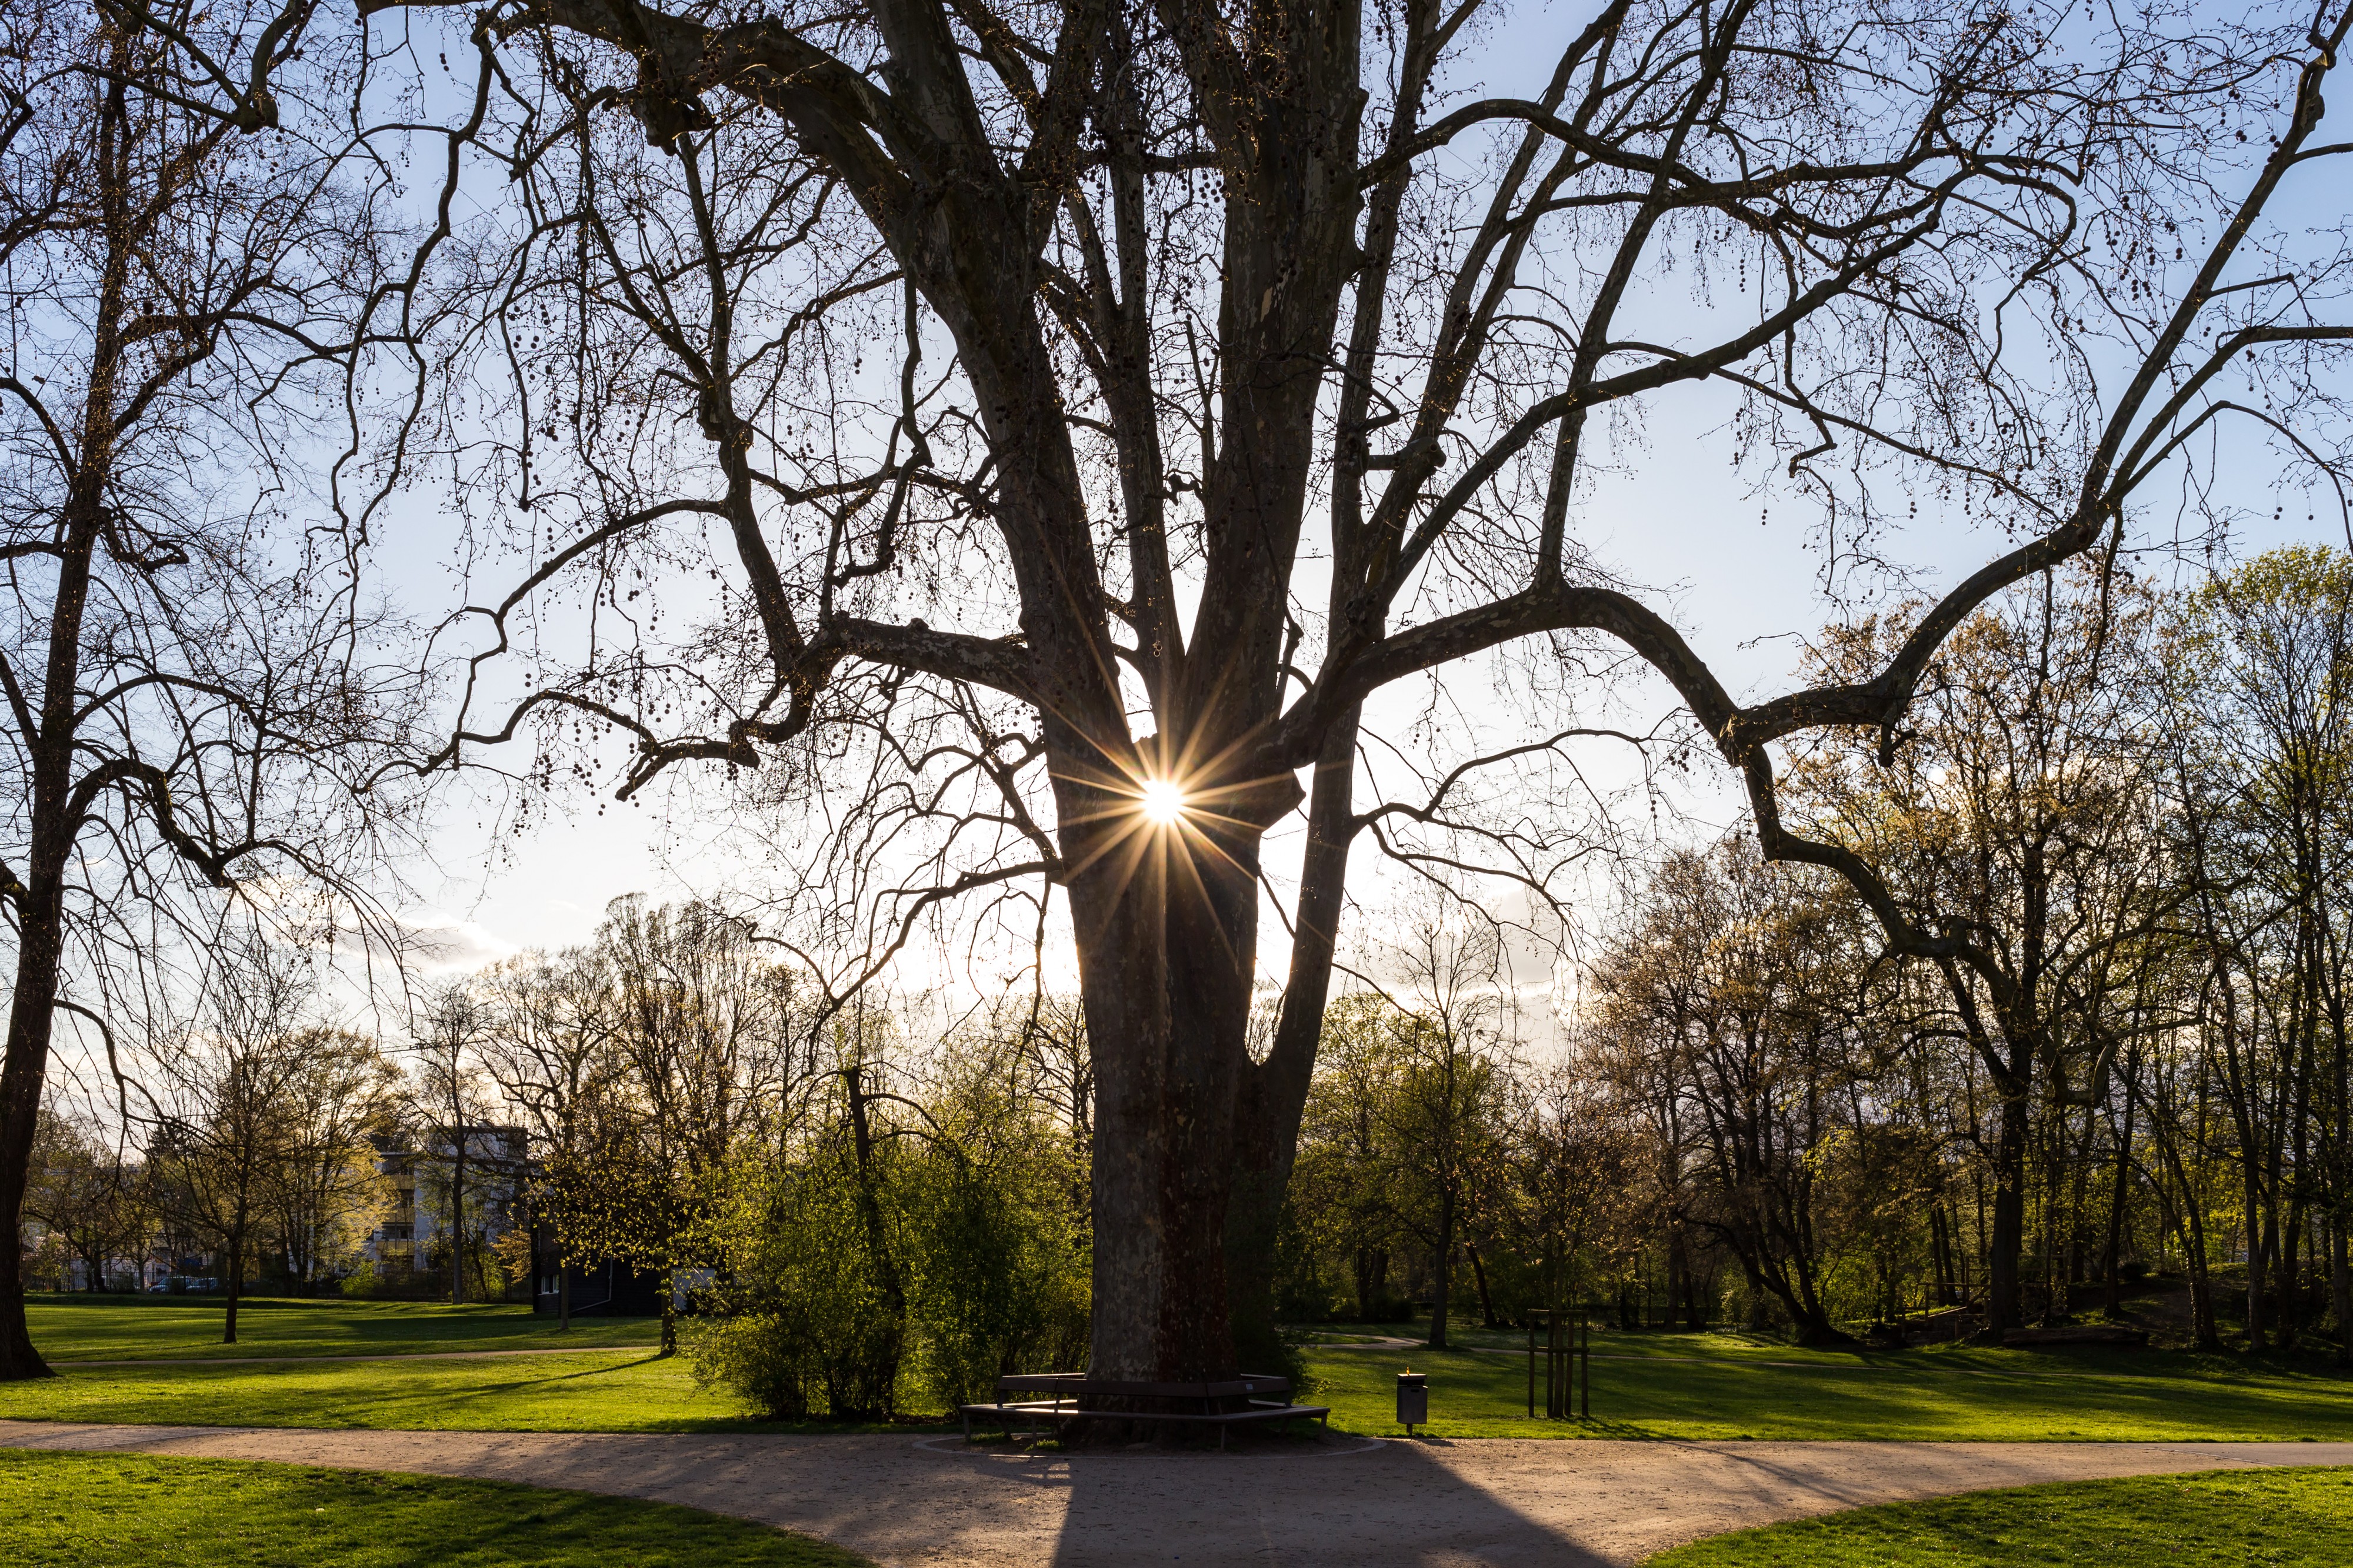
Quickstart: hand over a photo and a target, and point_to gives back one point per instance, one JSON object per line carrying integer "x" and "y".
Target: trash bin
{"x": 1413, "y": 1400}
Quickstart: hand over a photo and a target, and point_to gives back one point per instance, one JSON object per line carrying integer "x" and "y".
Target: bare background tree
{"x": 192, "y": 675}
{"x": 226, "y": 1127}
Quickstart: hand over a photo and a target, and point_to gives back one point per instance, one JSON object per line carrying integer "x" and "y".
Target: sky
{"x": 1744, "y": 591}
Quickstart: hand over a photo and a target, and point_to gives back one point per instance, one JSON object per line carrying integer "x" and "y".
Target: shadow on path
{"x": 1494, "y": 1503}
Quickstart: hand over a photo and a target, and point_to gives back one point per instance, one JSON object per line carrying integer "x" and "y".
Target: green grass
{"x": 108, "y": 1510}
{"x": 1698, "y": 1387}
{"x": 1644, "y": 1385}
{"x": 611, "y": 1380}
{"x": 599, "y": 1391}
{"x": 109, "y": 1328}
{"x": 2225, "y": 1519}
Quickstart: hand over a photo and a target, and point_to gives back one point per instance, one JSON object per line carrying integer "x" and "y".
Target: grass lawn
{"x": 611, "y": 1380}
{"x": 598, "y": 1390}
{"x": 109, "y": 1511}
{"x": 2225, "y": 1519}
{"x": 1644, "y": 1385}
{"x": 109, "y": 1328}
{"x": 1713, "y": 1386}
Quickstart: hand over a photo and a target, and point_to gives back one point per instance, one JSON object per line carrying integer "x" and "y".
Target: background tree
{"x": 92, "y": 1202}
{"x": 2017, "y": 817}
{"x": 1728, "y": 1016}
{"x": 458, "y": 1167}
{"x": 708, "y": 1064}
{"x": 1446, "y": 1108}
{"x": 226, "y": 1128}
{"x": 549, "y": 1049}
{"x": 327, "y": 1193}
{"x": 2259, "y": 661}
{"x": 1342, "y": 1186}
{"x": 189, "y": 674}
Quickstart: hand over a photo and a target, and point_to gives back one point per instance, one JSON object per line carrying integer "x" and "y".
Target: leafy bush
{"x": 810, "y": 1321}
{"x": 945, "y": 1255}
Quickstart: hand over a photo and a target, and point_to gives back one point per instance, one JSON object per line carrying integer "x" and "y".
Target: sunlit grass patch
{"x": 112, "y": 1511}
{"x": 2224, "y": 1518}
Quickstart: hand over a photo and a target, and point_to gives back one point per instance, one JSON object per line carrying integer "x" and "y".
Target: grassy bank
{"x": 111, "y": 1328}
{"x": 109, "y": 1511}
{"x": 597, "y": 1390}
{"x": 1644, "y": 1385}
{"x": 1701, "y": 1386}
{"x": 2227, "y": 1518}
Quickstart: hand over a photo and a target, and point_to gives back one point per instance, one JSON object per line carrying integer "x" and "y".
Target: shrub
{"x": 810, "y": 1321}
{"x": 948, "y": 1257}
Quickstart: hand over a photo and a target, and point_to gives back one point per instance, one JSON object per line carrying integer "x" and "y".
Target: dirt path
{"x": 1357, "y": 1503}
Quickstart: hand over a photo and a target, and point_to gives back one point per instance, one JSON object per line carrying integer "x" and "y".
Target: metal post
{"x": 1555, "y": 1407}
{"x": 1532, "y": 1366}
{"x": 1584, "y": 1391}
{"x": 1556, "y": 1382}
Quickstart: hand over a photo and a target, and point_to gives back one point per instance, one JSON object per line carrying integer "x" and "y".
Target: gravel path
{"x": 1356, "y": 1503}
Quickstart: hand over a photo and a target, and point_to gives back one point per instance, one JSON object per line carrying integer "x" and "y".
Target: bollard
{"x": 1413, "y": 1400}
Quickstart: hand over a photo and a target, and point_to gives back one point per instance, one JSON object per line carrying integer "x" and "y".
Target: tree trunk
{"x": 236, "y": 1284}
{"x": 1274, "y": 1091}
{"x": 40, "y": 903}
{"x": 1372, "y": 1282}
{"x": 2287, "y": 1271}
{"x": 2254, "y": 1207}
{"x": 21, "y": 1075}
{"x": 456, "y": 1206}
{"x": 1941, "y": 1243}
{"x": 1444, "y": 1270}
{"x": 2117, "y": 1212}
{"x": 2007, "y": 1245}
{"x": 888, "y": 1348}
{"x": 2340, "y": 1286}
{"x": 1479, "y": 1275}
{"x": 1166, "y": 953}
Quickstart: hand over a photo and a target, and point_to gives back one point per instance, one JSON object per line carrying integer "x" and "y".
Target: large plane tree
{"x": 1034, "y": 439}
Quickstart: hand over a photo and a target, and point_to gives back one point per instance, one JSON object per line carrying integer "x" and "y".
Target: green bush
{"x": 809, "y": 1319}
{"x": 998, "y": 1287}
{"x": 851, "y": 1289}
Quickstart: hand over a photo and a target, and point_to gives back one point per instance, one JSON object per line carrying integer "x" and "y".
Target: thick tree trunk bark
{"x": 1168, "y": 924}
{"x": 1169, "y": 1041}
{"x": 22, "y": 1073}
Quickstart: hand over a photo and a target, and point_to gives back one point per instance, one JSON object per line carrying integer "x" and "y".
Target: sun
{"x": 1163, "y": 800}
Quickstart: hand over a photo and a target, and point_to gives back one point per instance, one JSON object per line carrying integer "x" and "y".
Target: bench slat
{"x": 1260, "y": 1411}
{"x": 1076, "y": 1382}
